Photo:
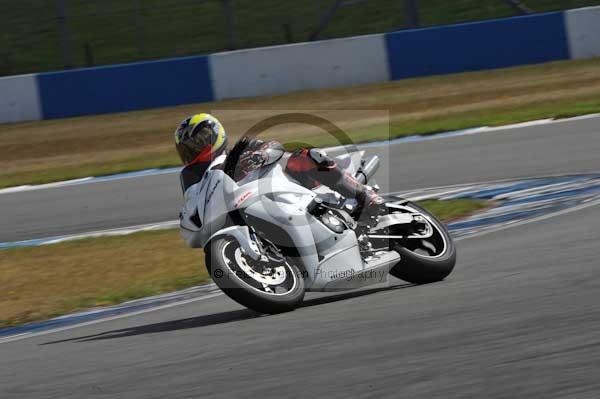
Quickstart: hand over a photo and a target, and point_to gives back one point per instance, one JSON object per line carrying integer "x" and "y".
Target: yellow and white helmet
{"x": 200, "y": 138}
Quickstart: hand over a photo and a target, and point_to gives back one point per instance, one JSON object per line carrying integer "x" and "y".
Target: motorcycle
{"x": 268, "y": 239}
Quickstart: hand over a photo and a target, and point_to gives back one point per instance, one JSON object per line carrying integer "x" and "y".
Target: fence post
{"x": 89, "y": 54}
{"x": 519, "y": 7}
{"x": 325, "y": 19}
{"x": 411, "y": 13}
{"x": 287, "y": 32}
{"x": 230, "y": 23}
{"x": 139, "y": 22}
{"x": 66, "y": 35}
{"x": 6, "y": 64}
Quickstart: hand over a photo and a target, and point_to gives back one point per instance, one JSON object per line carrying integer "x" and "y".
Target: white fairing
{"x": 276, "y": 205}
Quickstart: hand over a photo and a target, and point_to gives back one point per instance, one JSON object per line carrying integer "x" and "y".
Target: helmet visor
{"x": 193, "y": 141}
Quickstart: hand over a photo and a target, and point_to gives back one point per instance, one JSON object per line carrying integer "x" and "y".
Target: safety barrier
{"x": 573, "y": 34}
{"x": 304, "y": 66}
{"x": 475, "y": 46}
{"x": 19, "y": 99}
{"x": 124, "y": 87}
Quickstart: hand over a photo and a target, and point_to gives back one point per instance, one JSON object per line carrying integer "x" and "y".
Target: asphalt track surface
{"x": 567, "y": 147}
{"x": 519, "y": 317}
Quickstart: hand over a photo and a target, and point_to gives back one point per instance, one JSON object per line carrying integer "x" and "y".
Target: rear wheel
{"x": 272, "y": 287}
{"x": 425, "y": 260}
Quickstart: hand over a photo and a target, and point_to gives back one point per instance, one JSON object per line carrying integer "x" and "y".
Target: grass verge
{"x": 46, "y": 151}
{"x": 47, "y": 281}
{"x": 449, "y": 210}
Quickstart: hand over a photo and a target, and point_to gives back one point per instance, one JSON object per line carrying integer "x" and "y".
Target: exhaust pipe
{"x": 367, "y": 169}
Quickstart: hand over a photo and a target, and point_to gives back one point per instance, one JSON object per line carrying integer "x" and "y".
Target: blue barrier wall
{"x": 125, "y": 87}
{"x": 480, "y": 45}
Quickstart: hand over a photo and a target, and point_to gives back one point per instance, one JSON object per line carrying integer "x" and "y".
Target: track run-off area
{"x": 518, "y": 317}
{"x": 569, "y": 146}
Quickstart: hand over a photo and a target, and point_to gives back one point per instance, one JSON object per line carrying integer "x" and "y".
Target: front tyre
{"x": 425, "y": 260}
{"x": 264, "y": 287}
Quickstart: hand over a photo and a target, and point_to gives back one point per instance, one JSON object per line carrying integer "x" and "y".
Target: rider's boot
{"x": 312, "y": 166}
{"x": 369, "y": 202}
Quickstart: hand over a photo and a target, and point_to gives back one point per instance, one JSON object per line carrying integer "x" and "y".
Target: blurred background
{"x": 38, "y": 36}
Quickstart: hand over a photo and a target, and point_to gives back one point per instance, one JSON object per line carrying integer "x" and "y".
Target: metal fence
{"x": 62, "y": 34}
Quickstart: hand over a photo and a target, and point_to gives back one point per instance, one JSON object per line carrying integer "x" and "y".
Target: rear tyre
{"x": 427, "y": 260}
{"x": 277, "y": 288}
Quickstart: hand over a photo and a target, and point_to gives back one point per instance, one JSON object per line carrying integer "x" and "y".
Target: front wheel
{"x": 425, "y": 260}
{"x": 272, "y": 287}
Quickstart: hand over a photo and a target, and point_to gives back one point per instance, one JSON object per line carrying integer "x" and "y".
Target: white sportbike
{"x": 268, "y": 239}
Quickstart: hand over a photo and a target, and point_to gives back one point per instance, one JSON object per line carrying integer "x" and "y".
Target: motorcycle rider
{"x": 201, "y": 138}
